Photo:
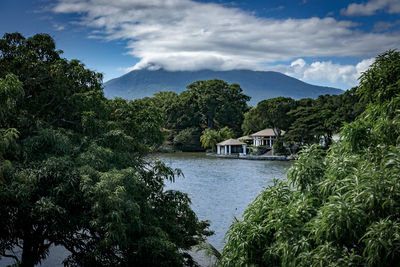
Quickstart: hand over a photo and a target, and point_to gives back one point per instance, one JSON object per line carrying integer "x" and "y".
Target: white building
{"x": 264, "y": 137}
{"x": 231, "y": 146}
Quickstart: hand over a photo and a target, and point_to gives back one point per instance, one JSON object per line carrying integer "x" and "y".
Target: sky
{"x": 321, "y": 42}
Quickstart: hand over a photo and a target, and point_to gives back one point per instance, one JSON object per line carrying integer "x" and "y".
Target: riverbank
{"x": 252, "y": 157}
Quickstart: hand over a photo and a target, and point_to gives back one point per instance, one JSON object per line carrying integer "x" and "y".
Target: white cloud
{"x": 189, "y": 35}
{"x": 58, "y": 27}
{"x": 371, "y": 7}
{"x": 382, "y": 26}
{"x": 325, "y": 71}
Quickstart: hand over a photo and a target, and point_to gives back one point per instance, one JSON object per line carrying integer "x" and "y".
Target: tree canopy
{"x": 306, "y": 120}
{"x": 338, "y": 207}
{"x": 210, "y": 138}
{"x": 274, "y": 113}
{"x": 219, "y": 102}
{"x": 212, "y": 104}
{"x": 73, "y": 170}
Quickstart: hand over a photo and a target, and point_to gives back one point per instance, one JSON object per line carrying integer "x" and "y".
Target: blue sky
{"x": 318, "y": 41}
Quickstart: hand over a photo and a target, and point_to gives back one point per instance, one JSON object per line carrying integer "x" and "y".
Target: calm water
{"x": 220, "y": 188}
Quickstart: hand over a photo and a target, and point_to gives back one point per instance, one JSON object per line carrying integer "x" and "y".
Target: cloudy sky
{"x": 318, "y": 41}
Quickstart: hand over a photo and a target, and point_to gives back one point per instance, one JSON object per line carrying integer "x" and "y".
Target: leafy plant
{"x": 210, "y": 138}
{"x": 336, "y": 208}
{"x": 73, "y": 168}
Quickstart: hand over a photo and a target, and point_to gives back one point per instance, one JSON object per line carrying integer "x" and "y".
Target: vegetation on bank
{"x": 212, "y": 105}
{"x": 339, "y": 207}
{"x": 72, "y": 168}
{"x": 193, "y": 119}
{"x": 210, "y": 138}
{"x": 306, "y": 121}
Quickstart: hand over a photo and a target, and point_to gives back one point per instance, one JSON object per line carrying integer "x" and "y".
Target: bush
{"x": 188, "y": 140}
{"x": 340, "y": 207}
{"x": 279, "y": 148}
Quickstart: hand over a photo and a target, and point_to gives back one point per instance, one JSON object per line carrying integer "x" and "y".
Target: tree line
{"x": 305, "y": 121}
{"x": 211, "y": 111}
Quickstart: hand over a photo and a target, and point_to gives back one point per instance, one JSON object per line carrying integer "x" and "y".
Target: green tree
{"x": 188, "y": 139}
{"x": 165, "y": 102}
{"x": 252, "y": 122}
{"x": 219, "y": 103}
{"x": 313, "y": 120}
{"x": 338, "y": 207}
{"x": 186, "y": 112}
{"x": 380, "y": 83}
{"x": 274, "y": 112}
{"x": 73, "y": 170}
{"x": 210, "y": 138}
{"x": 212, "y": 104}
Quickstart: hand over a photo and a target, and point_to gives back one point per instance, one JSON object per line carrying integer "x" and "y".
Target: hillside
{"x": 257, "y": 84}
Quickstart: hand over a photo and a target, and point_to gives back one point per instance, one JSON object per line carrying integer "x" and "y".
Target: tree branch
{"x": 10, "y": 256}
{"x": 65, "y": 121}
{"x": 70, "y": 122}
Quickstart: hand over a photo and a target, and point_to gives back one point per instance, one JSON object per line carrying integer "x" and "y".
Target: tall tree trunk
{"x": 30, "y": 252}
{"x": 277, "y": 132}
{"x": 28, "y": 258}
{"x": 210, "y": 122}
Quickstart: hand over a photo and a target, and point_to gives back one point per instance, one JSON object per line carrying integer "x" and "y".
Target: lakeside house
{"x": 264, "y": 137}
{"x": 231, "y": 146}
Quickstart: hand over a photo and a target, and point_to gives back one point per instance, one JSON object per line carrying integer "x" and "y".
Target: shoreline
{"x": 251, "y": 157}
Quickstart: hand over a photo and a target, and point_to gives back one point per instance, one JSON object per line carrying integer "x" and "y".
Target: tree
{"x": 339, "y": 207}
{"x": 219, "y": 103}
{"x": 380, "y": 83}
{"x": 73, "y": 170}
{"x": 165, "y": 102}
{"x": 274, "y": 112}
{"x": 210, "y": 138}
{"x": 253, "y": 121}
{"x": 318, "y": 119}
{"x": 212, "y": 104}
{"x": 188, "y": 139}
{"x": 303, "y": 128}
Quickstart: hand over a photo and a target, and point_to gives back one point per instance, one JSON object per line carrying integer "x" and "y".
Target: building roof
{"x": 231, "y": 142}
{"x": 246, "y": 137}
{"x": 265, "y": 132}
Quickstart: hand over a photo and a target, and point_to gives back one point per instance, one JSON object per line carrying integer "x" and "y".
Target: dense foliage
{"x": 339, "y": 207}
{"x": 210, "y": 138}
{"x": 305, "y": 121}
{"x": 319, "y": 119}
{"x": 73, "y": 172}
{"x": 212, "y": 105}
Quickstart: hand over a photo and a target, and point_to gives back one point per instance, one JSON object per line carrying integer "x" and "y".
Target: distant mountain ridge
{"x": 259, "y": 85}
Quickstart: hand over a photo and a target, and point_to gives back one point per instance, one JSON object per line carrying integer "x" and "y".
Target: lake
{"x": 220, "y": 190}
